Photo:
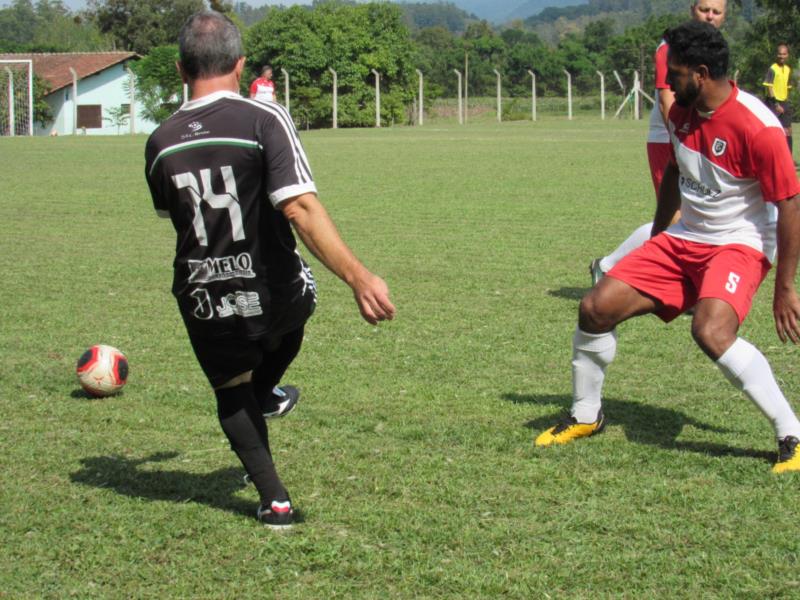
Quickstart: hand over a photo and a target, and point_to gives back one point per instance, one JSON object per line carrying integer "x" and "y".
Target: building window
{"x": 125, "y": 108}
{"x": 90, "y": 116}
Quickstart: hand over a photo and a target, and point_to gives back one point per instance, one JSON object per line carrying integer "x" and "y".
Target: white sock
{"x": 748, "y": 369}
{"x": 634, "y": 240}
{"x": 591, "y": 354}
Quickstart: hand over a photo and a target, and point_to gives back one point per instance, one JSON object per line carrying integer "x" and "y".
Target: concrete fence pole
{"x": 421, "y": 115}
{"x": 132, "y": 105}
{"x": 499, "y": 96}
{"x": 286, "y": 89}
{"x": 602, "y": 95}
{"x": 533, "y": 94}
{"x": 74, "y": 100}
{"x": 377, "y": 97}
{"x": 460, "y": 99}
{"x": 636, "y": 96}
{"x": 335, "y": 98}
{"x": 569, "y": 94}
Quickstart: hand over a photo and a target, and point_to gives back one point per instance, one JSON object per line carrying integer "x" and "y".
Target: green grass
{"x": 411, "y": 454}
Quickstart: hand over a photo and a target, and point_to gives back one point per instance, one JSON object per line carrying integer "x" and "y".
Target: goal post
{"x": 16, "y": 97}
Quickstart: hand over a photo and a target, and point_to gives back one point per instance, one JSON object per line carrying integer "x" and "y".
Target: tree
{"x": 351, "y": 39}
{"x": 139, "y": 25}
{"x": 158, "y": 85}
{"x": 118, "y": 116}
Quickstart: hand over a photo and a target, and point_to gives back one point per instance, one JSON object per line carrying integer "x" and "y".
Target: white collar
{"x": 208, "y": 99}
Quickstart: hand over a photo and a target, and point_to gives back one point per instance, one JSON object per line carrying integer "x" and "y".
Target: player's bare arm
{"x": 786, "y": 304}
{"x": 666, "y": 98}
{"x": 669, "y": 200}
{"x": 319, "y": 234}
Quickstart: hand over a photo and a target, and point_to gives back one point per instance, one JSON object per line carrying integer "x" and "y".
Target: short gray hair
{"x": 210, "y": 45}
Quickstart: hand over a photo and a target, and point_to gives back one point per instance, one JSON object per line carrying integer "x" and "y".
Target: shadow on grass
{"x": 644, "y": 424}
{"x": 124, "y": 476}
{"x": 569, "y": 293}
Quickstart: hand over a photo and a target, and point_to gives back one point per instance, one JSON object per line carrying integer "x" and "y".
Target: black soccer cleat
{"x": 788, "y": 455}
{"x": 278, "y": 515}
{"x": 281, "y": 402}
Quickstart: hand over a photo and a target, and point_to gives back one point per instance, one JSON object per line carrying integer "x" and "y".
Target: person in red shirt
{"x": 733, "y": 178}
{"x": 658, "y": 145}
{"x": 263, "y": 88}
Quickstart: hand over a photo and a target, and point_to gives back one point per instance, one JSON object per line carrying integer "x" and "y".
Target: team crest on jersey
{"x": 195, "y": 125}
{"x": 718, "y": 147}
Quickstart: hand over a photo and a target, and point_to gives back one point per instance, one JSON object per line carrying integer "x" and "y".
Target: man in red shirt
{"x": 658, "y": 144}
{"x": 263, "y": 88}
{"x": 730, "y": 173}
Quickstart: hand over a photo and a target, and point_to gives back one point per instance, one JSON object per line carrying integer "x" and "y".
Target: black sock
{"x": 244, "y": 425}
{"x": 277, "y": 359}
{"x": 789, "y": 140}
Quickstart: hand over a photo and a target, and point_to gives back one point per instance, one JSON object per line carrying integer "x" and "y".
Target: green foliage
{"x": 419, "y": 15}
{"x": 779, "y": 23}
{"x": 410, "y": 454}
{"x": 47, "y": 26}
{"x": 351, "y": 39}
{"x": 158, "y": 85}
{"x": 118, "y": 116}
{"x": 144, "y": 24}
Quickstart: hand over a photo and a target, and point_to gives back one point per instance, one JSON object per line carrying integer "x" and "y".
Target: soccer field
{"x": 410, "y": 456}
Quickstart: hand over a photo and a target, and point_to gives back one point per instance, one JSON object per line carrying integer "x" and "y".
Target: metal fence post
{"x": 533, "y": 94}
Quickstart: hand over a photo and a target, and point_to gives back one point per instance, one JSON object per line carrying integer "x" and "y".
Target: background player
{"x": 658, "y": 144}
{"x": 778, "y": 82}
{"x": 731, "y": 170}
{"x": 263, "y": 88}
{"x": 232, "y": 175}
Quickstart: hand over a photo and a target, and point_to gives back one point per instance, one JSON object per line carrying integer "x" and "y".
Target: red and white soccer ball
{"x": 102, "y": 370}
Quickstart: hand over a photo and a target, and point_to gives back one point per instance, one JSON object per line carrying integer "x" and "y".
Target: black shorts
{"x": 786, "y": 116}
{"x": 225, "y": 358}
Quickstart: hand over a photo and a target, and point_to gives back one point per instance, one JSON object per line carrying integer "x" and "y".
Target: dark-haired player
{"x": 731, "y": 172}
{"x": 232, "y": 176}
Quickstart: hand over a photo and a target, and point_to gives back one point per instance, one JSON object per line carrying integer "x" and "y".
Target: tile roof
{"x": 54, "y": 68}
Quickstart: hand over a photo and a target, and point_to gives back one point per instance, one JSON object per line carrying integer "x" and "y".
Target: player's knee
{"x": 593, "y": 316}
{"x": 712, "y": 335}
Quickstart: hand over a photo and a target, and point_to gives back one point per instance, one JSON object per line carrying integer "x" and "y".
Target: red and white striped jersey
{"x": 734, "y": 164}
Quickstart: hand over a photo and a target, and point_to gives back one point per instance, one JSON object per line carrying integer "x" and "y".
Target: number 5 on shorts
{"x": 733, "y": 282}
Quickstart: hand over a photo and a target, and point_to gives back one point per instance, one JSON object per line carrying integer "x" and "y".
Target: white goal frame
{"x": 9, "y": 91}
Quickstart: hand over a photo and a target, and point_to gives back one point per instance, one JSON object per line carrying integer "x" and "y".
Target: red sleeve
{"x": 773, "y": 165}
{"x": 660, "y": 61}
{"x": 253, "y": 87}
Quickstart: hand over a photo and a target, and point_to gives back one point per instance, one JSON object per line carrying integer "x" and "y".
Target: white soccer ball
{"x": 102, "y": 370}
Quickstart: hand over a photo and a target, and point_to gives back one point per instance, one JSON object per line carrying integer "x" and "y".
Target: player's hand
{"x": 778, "y": 109}
{"x": 372, "y": 296}
{"x": 786, "y": 308}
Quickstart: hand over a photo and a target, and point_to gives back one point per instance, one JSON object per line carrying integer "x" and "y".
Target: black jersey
{"x": 219, "y": 168}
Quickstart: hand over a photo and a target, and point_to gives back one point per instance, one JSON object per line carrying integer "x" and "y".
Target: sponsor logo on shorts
{"x": 243, "y": 304}
{"x": 718, "y": 147}
{"x": 221, "y": 269}
{"x": 698, "y": 187}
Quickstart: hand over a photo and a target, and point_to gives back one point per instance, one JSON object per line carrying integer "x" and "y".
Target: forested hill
{"x": 627, "y": 12}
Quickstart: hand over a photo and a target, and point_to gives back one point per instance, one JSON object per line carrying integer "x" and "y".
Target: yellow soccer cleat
{"x": 788, "y": 456}
{"x": 569, "y": 429}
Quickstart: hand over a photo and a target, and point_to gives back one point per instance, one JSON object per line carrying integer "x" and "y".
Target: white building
{"x": 83, "y": 87}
